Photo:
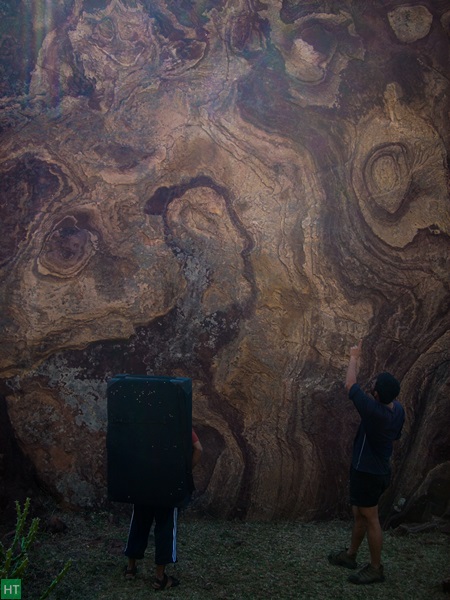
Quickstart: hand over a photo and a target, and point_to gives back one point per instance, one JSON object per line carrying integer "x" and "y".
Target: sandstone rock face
{"x": 233, "y": 191}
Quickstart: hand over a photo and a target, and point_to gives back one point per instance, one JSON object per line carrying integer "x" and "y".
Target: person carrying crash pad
{"x": 165, "y": 532}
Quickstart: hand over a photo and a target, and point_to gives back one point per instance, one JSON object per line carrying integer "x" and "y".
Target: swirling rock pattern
{"x": 236, "y": 192}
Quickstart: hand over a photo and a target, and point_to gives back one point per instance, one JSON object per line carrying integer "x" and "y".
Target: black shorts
{"x": 366, "y": 488}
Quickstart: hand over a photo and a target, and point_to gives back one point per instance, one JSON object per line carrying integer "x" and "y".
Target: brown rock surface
{"x": 233, "y": 191}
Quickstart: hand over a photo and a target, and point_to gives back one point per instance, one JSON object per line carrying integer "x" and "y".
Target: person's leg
{"x": 165, "y": 546}
{"x": 347, "y": 557}
{"x": 358, "y": 531}
{"x": 365, "y": 491}
{"x": 372, "y": 572}
{"x": 131, "y": 570}
{"x": 141, "y": 522}
{"x": 374, "y": 534}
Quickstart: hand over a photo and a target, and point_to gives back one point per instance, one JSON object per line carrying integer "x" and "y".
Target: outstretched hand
{"x": 356, "y": 350}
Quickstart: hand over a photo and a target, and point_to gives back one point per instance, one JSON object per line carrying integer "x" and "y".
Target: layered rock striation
{"x": 235, "y": 192}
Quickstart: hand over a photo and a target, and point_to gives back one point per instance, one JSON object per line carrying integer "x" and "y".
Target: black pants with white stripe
{"x": 165, "y": 533}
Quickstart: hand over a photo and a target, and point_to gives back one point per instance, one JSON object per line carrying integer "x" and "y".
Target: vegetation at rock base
{"x": 14, "y": 560}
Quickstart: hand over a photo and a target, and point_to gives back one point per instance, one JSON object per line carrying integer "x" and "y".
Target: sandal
{"x": 130, "y": 573}
{"x": 165, "y": 583}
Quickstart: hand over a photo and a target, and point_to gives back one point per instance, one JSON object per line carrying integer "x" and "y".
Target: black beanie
{"x": 388, "y": 387}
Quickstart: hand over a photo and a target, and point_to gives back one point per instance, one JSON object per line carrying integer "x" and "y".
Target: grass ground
{"x": 229, "y": 560}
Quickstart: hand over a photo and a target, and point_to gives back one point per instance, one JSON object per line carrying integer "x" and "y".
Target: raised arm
{"x": 353, "y": 366}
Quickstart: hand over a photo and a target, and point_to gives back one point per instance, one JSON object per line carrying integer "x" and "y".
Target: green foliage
{"x": 14, "y": 560}
{"x": 57, "y": 579}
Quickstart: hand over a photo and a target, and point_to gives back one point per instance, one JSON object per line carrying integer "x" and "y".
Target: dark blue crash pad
{"x": 149, "y": 439}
